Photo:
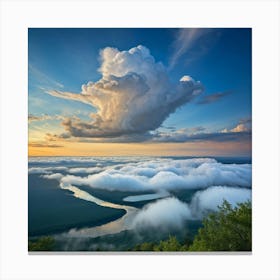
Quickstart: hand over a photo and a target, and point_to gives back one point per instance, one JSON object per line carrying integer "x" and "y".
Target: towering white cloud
{"x": 133, "y": 96}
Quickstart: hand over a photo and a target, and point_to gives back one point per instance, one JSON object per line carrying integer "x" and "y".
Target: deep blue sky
{"x": 70, "y": 57}
{"x": 64, "y": 59}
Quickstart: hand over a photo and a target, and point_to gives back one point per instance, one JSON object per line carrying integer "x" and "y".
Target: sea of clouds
{"x": 211, "y": 181}
{"x": 156, "y": 175}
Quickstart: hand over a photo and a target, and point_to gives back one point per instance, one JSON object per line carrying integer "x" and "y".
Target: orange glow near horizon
{"x": 142, "y": 149}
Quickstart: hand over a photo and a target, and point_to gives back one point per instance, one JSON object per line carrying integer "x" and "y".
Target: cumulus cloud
{"x": 244, "y": 126}
{"x": 163, "y": 214}
{"x": 134, "y": 95}
{"x": 240, "y": 128}
{"x": 209, "y": 199}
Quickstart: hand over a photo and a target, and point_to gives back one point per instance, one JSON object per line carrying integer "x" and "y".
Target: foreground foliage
{"x": 169, "y": 245}
{"x": 228, "y": 229}
{"x": 45, "y": 243}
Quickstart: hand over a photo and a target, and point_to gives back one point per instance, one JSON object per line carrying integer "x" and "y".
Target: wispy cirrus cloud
{"x": 211, "y": 98}
{"x": 192, "y": 41}
{"x": 33, "y": 118}
{"x": 41, "y": 78}
{"x": 44, "y": 145}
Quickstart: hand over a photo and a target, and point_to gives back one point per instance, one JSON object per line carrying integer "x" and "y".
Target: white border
{"x": 262, "y": 16}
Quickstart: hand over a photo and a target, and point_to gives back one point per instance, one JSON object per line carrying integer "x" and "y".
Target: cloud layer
{"x": 159, "y": 175}
{"x": 46, "y": 170}
{"x": 133, "y": 96}
{"x": 237, "y": 134}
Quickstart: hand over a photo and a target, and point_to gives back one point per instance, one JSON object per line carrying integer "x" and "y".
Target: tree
{"x": 146, "y": 246}
{"x": 229, "y": 229}
{"x": 45, "y": 243}
{"x": 171, "y": 244}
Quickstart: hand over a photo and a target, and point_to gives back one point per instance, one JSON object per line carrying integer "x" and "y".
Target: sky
{"x": 133, "y": 91}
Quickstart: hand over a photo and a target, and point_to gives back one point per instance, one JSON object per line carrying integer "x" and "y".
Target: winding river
{"x": 123, "y": 223}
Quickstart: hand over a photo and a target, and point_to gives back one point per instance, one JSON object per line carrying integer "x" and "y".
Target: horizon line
{"x": 217, "y": 156}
